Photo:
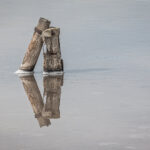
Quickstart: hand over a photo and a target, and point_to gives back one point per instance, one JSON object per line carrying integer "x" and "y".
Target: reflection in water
{"x": 52, "y": 92}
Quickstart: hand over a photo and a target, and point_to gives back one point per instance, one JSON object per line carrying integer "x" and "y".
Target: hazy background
{"x": 105, "y": 101}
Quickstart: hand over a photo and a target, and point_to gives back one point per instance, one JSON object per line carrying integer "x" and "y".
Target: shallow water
{"x": 103, "y": 102}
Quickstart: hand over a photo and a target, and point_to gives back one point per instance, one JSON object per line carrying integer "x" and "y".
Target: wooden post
{"x": 52, "y": 56}
{"x": 35, "y": 98}
{"x": 33, "y": 51}
{"x": 52, "y": 92}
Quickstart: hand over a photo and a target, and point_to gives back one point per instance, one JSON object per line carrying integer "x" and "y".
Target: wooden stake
{"x": 52, "y": 56}
{"x": 33, "y": 51}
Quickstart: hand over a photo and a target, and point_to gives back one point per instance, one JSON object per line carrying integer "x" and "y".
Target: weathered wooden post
{"x": 33, "y": 51}
{"x": 52, "y": 92}
{"x": 35, "y": 98}
{"x": 52, "y": 56}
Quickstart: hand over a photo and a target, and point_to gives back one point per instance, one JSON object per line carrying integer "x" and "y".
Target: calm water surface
{"x": 103, "y": 99}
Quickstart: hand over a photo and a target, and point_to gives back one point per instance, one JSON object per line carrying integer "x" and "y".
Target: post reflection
{"x": 51, "y": 96}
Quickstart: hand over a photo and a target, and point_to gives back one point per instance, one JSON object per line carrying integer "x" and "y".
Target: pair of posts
{"x": 52, "y": 56}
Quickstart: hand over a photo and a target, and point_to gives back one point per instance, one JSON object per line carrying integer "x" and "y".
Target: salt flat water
{"x": 105, "y": 91}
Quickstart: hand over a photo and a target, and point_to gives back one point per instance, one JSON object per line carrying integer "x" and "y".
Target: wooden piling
{"x": 52, "y": 56}
{"x": 34, "y": 48}
{"x": 52, "y": 92}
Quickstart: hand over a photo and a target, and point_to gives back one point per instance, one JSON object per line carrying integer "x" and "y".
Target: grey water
{"x": 105, "y": 96}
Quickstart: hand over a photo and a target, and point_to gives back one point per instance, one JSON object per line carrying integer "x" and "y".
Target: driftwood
{"x": 52, "y": 56}
{"x": 33, "y": 51}
{"x": 35, "y": 98}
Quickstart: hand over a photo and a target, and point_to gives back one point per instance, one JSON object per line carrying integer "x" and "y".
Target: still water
{"x": 102, "y": 101}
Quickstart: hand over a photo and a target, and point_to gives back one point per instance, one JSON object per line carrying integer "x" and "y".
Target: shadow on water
{"x": 87, "y": 70}
{"x": 52, "y": 92}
